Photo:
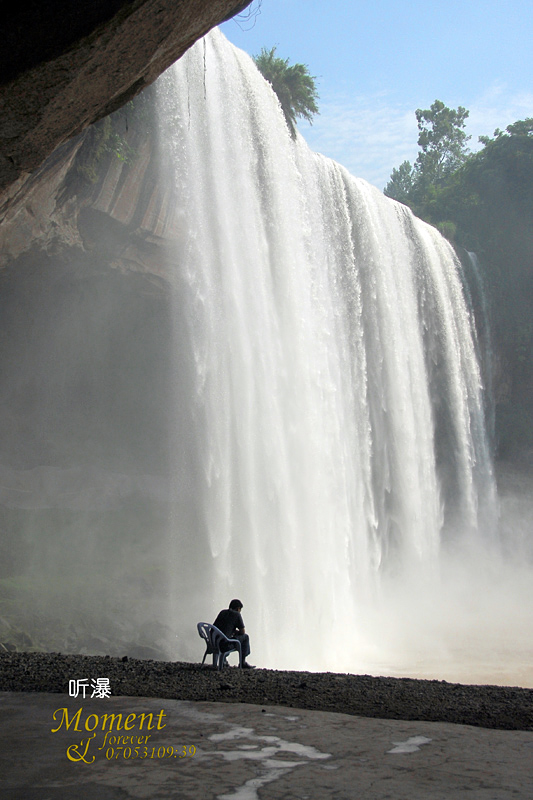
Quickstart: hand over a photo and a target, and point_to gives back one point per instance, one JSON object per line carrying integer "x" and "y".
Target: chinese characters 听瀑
{"x": 100, "y": 687}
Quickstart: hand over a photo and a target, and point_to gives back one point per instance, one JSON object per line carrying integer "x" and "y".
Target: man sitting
{"x": 231, "y": 623}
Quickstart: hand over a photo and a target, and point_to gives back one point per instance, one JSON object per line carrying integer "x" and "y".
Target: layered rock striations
{"x": 101, "y": 192}
{"x": 86, "y": 398}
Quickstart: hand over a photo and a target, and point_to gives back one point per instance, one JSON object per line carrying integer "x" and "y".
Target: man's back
{"x": 229, "y": 621}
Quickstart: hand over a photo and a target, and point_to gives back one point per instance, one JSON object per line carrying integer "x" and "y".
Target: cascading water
{"x": 330, "y": 444}
{"x": 478, "y": 299}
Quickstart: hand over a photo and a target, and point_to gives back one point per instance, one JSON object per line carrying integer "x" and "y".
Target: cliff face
{"x": 88, "y": 391}
{"x": 89, "y": 348}
{"x": 89, "y": 196}
{"x": 85, "y": 288}
{"x": 67, "y": 65}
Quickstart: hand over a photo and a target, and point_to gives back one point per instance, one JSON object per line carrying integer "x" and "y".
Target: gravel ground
{"x": 387, "y": 698}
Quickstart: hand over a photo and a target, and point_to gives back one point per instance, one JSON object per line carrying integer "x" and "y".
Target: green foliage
{"x": 120, "y": 148}
{"x": 484, "y": 202}
{"x": 294, "y": 86}
{"x": 448, "y": 229}
{"x": 401, "y": 183}
{"x": 110, "y": 137}
{"x": 523, "y": 127}
{"x": 442, "y": 141}
{"x": 102, "y": 139}
{"x": 93, "y": 150}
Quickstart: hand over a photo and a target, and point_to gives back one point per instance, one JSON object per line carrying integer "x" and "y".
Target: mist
{"x": 233, "y": 369}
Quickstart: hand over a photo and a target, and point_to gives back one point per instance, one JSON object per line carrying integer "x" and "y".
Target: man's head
{"x": 236, "y": 605}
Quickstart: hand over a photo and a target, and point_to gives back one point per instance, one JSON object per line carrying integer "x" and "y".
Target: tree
{"x": 443, "y": 150}
{"x": 400, "y": 184}
{"x": 443, "y": 142}
{"x": 294, "y": 86}
{"x": 524, "y": 127}
{"x": 483, "y": 201}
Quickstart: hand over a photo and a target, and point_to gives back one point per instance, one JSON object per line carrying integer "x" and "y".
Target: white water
{"x": 331, "y": 457}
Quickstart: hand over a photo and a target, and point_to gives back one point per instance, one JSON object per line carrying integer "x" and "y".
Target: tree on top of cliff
{"x": 294, "y": 86}
{"x": 443, "y": 150}
{"x": 442, "y": 140}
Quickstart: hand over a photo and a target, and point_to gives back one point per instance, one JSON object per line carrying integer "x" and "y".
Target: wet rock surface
{"x": 508, "y": 708}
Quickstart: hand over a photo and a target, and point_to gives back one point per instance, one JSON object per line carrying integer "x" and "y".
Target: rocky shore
{"x": 503, "y": 707}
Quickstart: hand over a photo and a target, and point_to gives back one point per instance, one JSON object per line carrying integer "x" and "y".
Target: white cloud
{"x": 370, "y": 135}
{"x": 497, "y": 108}
{"x": 366, "y": 134}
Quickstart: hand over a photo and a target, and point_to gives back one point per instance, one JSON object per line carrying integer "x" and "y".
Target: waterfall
{"x": 478, "y": 299}
{"x": 329, "y": 431}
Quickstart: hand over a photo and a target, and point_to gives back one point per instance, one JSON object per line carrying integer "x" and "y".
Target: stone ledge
{"x": 50, "y": 102}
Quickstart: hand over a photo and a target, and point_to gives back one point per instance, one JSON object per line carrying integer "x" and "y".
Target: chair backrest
{"x": 219, "y": 640}
{"x": 204, "y": 630}
{"x": 218, "y": 644}
{"x": 214, "y": 638}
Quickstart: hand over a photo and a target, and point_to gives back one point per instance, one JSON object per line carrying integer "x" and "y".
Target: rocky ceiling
{"x": 65, "y": 64}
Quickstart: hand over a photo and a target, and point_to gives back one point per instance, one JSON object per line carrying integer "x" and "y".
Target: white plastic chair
{"x": 218, "y": 644}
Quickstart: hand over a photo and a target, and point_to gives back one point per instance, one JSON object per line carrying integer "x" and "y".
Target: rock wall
{"x": 87, "y": 397}
{"x": 87, "y": 195}
{"x": 68, "y": 64}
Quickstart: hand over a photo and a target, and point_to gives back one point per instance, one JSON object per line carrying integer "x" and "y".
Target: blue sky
{"x": 376, "y": 62}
